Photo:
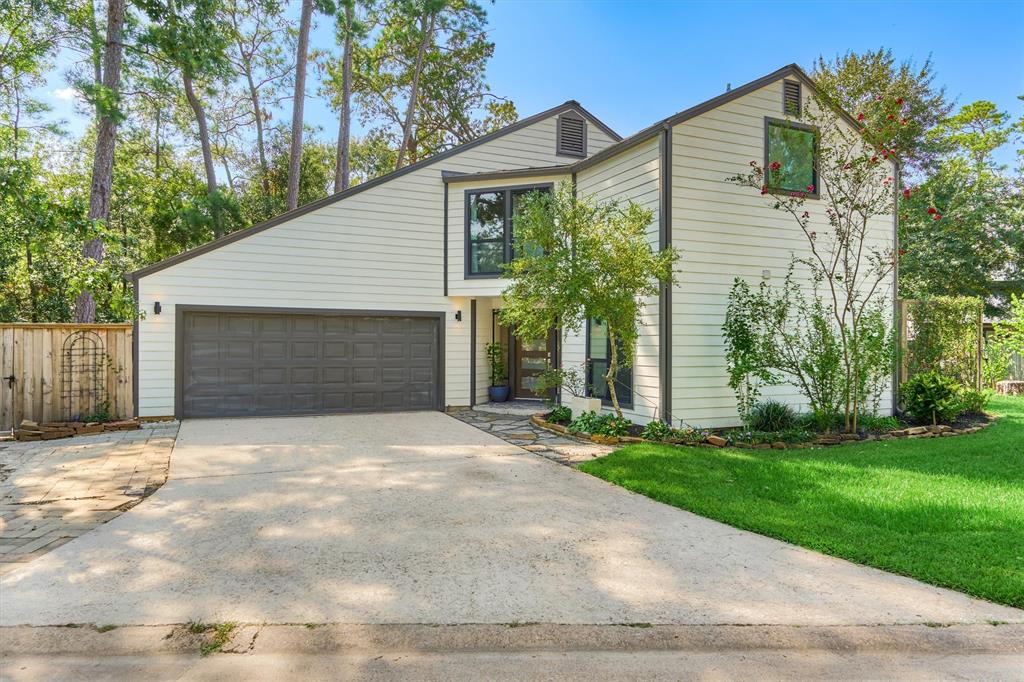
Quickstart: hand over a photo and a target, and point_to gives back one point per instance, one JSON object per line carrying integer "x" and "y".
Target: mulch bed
{"x": 966, "y": 424}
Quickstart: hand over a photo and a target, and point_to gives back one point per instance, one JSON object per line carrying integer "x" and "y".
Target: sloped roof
{"x": 569, "y": 105}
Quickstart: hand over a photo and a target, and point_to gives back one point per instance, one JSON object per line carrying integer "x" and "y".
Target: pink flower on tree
{"x": 906, "y": 193}
{"x": 810, "y": 188}
{"x": 931, "y": 210}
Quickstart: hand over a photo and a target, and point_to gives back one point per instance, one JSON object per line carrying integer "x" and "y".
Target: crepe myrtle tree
{"x": 576, "y": 259}
{"x": 855, "y": 167}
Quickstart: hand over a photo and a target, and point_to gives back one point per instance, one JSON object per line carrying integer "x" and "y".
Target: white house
{"x": 382, "y": 297}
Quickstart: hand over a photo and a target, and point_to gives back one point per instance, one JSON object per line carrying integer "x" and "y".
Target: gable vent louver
{"x": 791, "y": 98}
{"x": 571, "y": 136}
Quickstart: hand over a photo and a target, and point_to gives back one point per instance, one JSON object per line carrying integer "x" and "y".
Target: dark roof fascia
{"x": 595, "y": 120}
{"x": 454, "y": 176}
{"x": 326, "y": 201}
{"x": 790, "y": 71}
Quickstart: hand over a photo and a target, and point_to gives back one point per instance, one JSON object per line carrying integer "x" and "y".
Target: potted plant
{"x": 499, "y": 389}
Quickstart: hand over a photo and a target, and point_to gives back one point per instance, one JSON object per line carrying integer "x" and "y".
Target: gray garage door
{"x": 237, "y": 364}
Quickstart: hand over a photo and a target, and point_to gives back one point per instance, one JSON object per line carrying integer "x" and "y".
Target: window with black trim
{"x": 599, "y": 352}
{"x": 489, "y": 227}
{"x": 790, "y": 156}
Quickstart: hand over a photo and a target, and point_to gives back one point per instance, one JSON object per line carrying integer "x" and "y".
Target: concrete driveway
{"x": 420, "y": 518}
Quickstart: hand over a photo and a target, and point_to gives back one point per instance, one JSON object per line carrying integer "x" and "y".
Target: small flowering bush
{"x": 855, "y": 167}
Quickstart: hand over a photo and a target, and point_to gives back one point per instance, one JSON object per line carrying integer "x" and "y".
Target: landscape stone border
{"x": 826, "y": 440}
{"x": 29, "y": 430}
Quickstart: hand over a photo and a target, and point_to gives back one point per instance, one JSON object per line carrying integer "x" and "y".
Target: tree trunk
{"x": 257, "y": 112}
{"x": 103, "y": 158}
{"x": 342, "y": 161}
{"x": 301, "y": 57}
{"x": 33, "y": 291}
{"x": 410, "y": 111}
{"x": 204, "y": 143}
{"x": 613, "y": 371}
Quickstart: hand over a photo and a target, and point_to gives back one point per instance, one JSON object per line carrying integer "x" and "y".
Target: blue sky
{"x": 631, "y": 63}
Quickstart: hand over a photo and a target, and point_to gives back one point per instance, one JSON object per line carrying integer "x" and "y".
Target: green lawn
{"x": 948, "y": 511}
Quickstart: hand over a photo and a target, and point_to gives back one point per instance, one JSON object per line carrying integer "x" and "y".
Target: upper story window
{"x": 571, "y": 135}
{"x": 489, "y": 227}
{"x": 790, "y": 156}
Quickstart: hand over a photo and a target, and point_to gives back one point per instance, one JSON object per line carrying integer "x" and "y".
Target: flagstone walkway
{"x": 53, "y": 491}
{"x": 519, "y": 430}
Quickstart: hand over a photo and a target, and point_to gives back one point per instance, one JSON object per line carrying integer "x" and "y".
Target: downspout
{"x": 897, "y": 326}
{"x": 665, "y": 297}
{"x": 135, "y": 348}
{"x": 472, "y": 352}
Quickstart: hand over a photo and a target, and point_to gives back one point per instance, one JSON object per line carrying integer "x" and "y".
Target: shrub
{"x": 560, "y": 414}
{"x": 974, "y": 402}
{"x": 584, "y": 423}
{"x": 771, "y": 415}
{"x": 876, "y": 424}
{"x": 932, "y": 397}
{"x": 610, "y": 425}
{"x": 657, "y": 430}
{"x": 690, "y": 435}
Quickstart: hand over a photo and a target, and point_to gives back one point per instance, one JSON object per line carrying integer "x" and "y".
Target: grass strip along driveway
{"x": 948, "y": 511}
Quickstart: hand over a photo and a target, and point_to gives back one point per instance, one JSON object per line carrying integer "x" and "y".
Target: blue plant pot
{"x": 498, "y": 394}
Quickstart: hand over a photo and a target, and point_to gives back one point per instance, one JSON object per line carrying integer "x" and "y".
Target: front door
{"x": 529, "y": 360}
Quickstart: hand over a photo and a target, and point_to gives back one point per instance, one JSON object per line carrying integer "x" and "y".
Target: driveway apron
{"x": 420, "y": 518}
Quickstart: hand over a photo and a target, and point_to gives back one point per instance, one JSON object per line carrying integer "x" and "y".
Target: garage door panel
{"x": 337, "y": 375}
{"x": 336, "y": 350}
{"x": 273, "y": 350}
{"x": 238, "y": 364}
{"x": 239, "y": 350}
{"x": 273, "y": 325}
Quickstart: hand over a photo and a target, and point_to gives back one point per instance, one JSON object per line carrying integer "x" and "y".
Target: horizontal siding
{"x": 633, "y": 175}
{"x": 725, "y": 231}
{"x": 381, "y": 249}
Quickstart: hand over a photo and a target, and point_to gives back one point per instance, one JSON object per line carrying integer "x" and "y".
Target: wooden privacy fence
{"x": 63, "y": 372}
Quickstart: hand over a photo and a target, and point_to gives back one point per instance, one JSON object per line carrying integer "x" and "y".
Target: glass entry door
{"x": 530, "y": 358}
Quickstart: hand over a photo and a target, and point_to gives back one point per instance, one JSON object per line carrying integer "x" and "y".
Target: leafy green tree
{"x": 316, "y": 175}
{"x": 581, "y": 259}
{"x": 854, "y": 80}
{"x": 421, "y": 83}
{"x": 104, "y": 93}
{"x": 30, "y": 40}
{"x": 261, "y": 39}
{"x": 299, "y": 98}
{"x": 962, "y": 229}
{"x": 38, "y": 244}
{"x": 192, "y": 36}
{"x": 354, "y": 22}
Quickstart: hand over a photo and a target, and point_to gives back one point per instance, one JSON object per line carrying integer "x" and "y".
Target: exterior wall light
{"x": 157, "y": 308}
{"x": 458, "y": 315}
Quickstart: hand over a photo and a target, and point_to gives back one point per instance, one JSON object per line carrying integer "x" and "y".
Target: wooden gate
{"x": 62, "y": 372}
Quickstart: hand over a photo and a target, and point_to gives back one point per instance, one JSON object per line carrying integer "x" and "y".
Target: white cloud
{"x": 65, "y": 93}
